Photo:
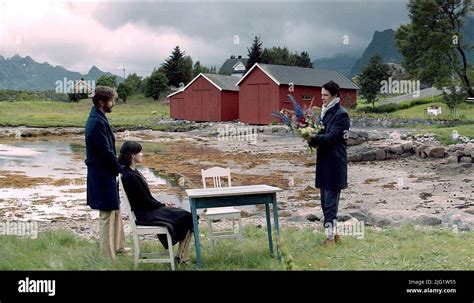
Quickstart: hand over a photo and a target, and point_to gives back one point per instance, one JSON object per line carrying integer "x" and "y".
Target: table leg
{"x": 277, "y": 226}
{"x": 269, "y": 227}
{"x": 192, "y": 203}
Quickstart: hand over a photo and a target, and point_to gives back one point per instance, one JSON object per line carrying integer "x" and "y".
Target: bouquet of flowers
{"x": 304, "y": 121}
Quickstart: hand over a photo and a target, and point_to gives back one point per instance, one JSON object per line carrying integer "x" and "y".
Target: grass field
{"x": 137, "y": 111}
{"x": 406, "y": 248}
{"x": 141, "y": 111}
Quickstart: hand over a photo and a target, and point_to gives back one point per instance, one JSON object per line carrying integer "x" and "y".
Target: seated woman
{"x": 147, "y": 209}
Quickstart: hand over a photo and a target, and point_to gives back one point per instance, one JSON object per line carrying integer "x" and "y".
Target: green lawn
{"x": 465, "y": 112}
{"x": 406, "y": 248}
{"x": 137, "y": 111}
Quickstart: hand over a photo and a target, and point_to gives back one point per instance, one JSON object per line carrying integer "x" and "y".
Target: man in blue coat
{"x": 102, "y": 171}
{"x": 331, "y": 159}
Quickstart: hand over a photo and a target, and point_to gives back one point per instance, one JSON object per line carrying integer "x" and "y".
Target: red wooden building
{"x": 265, "y": 88}
{"x": 208, "y": 97}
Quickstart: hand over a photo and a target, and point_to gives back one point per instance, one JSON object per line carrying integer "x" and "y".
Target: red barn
{"x": 265, "y": 88}
{"x": 208, "y": 97}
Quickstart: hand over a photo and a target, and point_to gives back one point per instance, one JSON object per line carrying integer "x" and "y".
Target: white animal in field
{"x": 455, "y": 135}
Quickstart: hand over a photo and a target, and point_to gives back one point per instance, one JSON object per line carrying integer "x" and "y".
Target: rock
{"x": 313, "y": 217}
{"x": 407, "y": 146}
{"x": 393, "y": 156}
{"x": 456, "y": 147}
{"x": 351, "y": 221}
{"x": 468, "y": 151}
{"x": 245, "y": 213}
{"x": 395, "y": 135}
{"x": 428, "y": 220}
{"x": 297, "y": 218}
{"x": 419, "y": 151}
{"x": 464, "y": 139}
{"x": 354, "y": 158}
{"x": 284, "y": 213}
{"x": 369, "y": 156}
{"x": 396, "y": 149}
{"x": 455, "y": 168}
{"x": 452, "y": 159}
{"x": 406, "y": 154}
{"x": 380, "y": 154}
{"x": 465, "y": 160}
{"x": 360, "y": 215}
{"x": 343, "y": 217}
{"x": 434, "y": 152}
{"x": 459, "y": 153}
{"x": 472, "y": 154}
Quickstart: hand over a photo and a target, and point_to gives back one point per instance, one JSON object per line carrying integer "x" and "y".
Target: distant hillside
{"x": 18, "y": 73}
{"x": 382, "y": 44}
{"x": 342, "y": 63}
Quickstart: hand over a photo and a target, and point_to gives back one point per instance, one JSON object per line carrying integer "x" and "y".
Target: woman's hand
{"x": 170, "y": 204}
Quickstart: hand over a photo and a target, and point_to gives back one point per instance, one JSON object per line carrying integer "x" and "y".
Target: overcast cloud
{"x": 139, "y": 36}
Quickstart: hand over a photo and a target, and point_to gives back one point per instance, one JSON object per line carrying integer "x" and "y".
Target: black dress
{"x": 150, "y": 211}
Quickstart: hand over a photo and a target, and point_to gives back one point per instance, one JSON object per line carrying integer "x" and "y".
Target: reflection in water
{"x": 62, "y": 160}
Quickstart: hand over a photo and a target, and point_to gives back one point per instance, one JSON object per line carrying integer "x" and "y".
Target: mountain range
{"x": 382, "y": 44}
{"x": 20, "y": 73}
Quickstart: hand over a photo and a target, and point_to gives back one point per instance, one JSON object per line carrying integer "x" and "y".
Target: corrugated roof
{"x": 303, "y": 76}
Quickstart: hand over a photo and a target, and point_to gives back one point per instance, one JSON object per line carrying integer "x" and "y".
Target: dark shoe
{"x": 328, "y": 243}
{"x": 123, "y": 250}
{"x": 179, "y": 261}
{"x": 337, "y": 239}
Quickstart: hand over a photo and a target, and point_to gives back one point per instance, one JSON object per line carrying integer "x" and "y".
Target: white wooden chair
{"x": 141, "y": 230}
{"x": 217, "y": 213}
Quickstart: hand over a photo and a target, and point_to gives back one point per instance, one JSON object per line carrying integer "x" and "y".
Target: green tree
{"x": 178, "y": 68}
{"x": 282, "y": 56}
{"x": 278, "y": 55}
{"x": 106, "y": 80}
{"x": 432, "y": 43}
{"x": 371, "y": 77}
{"x": 134, "y": 81}
{"x": 124, "y": 90}
{"x": 254, "y": 53}
{"x": 454, "y": 98}
{"x": 155, "y": 84}
{"x": 198, "y": 68}
{"x": 303, "y": 60}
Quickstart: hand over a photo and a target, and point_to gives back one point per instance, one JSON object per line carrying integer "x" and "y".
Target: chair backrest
{"x": 126, "y": 203}
{"x": 216, "y": 173}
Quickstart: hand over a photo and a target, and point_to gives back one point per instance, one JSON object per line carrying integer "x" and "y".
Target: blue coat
{"x": 102, "y": 164}
{"x": 331, "y": 159}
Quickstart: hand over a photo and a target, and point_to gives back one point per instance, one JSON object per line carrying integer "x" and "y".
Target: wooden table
{"x": 236, "y": 196}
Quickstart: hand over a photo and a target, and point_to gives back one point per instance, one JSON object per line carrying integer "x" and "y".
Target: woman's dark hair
{"x": 128, "y": 149}
{"x": 332, "y": 87}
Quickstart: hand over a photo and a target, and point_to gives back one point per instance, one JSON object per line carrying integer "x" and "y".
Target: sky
{"x": 139, "y": 36}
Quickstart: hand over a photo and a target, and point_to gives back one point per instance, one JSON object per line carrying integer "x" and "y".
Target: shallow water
{"x": 63, "y": 162}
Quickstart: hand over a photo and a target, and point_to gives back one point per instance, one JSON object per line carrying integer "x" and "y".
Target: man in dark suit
{"x": 102, "y": 171}
{"x": 331, "y": 159}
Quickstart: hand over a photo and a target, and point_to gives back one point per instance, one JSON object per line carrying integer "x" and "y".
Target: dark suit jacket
{"x": 102, "y": 164}
{"x": 331, "y": 159}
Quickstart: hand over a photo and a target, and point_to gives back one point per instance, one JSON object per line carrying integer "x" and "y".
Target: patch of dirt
{"x": 371, "y": 180}
{"x": 11, "y": 179}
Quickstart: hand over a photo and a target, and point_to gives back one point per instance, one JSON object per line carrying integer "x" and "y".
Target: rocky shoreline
{"x": 395, "y": 177}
